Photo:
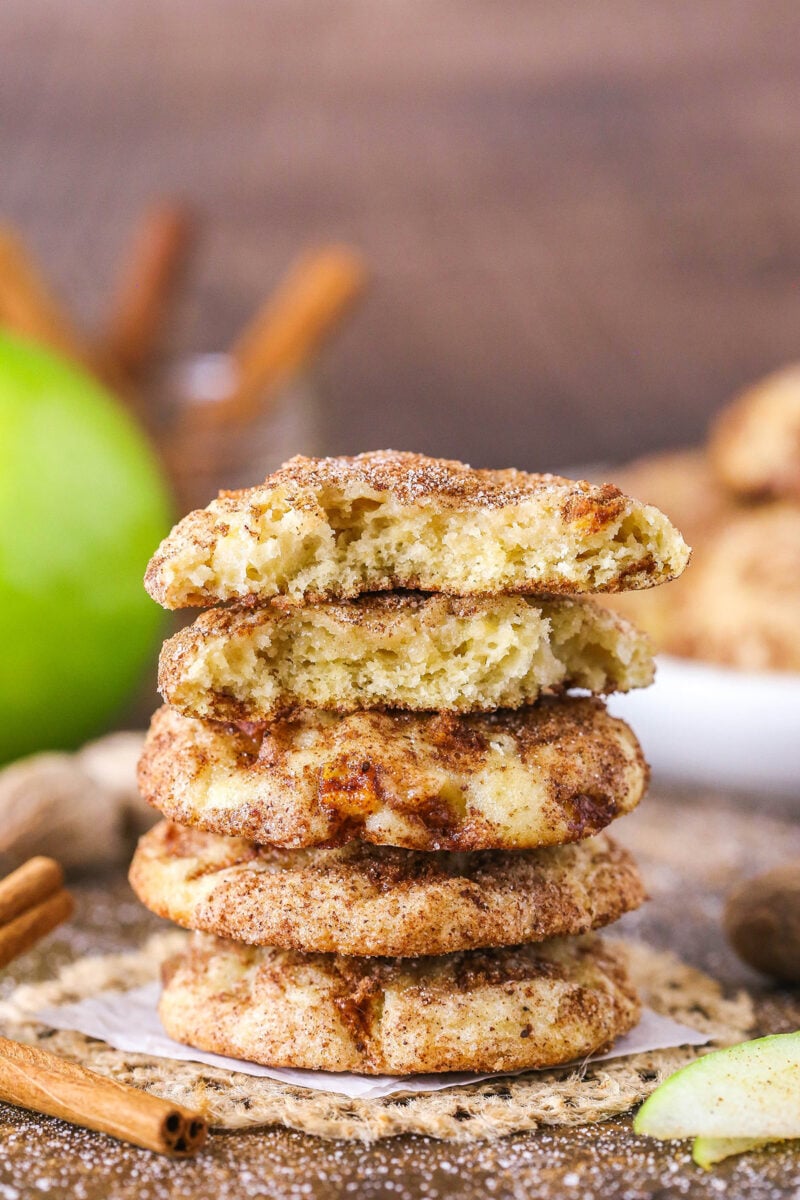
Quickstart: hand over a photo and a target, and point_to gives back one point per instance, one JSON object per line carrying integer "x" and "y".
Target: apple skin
{"x": 707, "y": 1152}
{"x": 83, "y": 503}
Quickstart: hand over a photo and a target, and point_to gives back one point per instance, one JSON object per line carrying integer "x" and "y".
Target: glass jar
{"x": 205, "y": 458}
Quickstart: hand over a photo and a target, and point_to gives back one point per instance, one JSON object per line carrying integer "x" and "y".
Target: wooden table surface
{"x": 582, "y": 218}
{"x": 692, "y": 848}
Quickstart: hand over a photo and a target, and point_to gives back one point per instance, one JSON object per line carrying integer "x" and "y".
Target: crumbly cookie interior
{"x": 400, "y": 652}
{"x": 340, "y": 527}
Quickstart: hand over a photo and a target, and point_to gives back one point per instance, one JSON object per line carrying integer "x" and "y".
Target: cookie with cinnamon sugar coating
{"x": 334, "y": 528}
{"x": 754, "y": 442}
{"x": 402, "y": 650}
{"x": 379, "y": 900}
{"x": 507, "y": 1009}
{"x": 555, "y": 772}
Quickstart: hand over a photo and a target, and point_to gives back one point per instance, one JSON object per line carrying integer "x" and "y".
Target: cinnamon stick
{"x": 31, "y": 883}
{"x": 19, "y": 934}
{"x": 290, "y": 327}
{"x": 148, "y": 278}
{"x": 26, "y": 304}
{"x": 35, "y": 1079}
{"x": 33, "y": 902}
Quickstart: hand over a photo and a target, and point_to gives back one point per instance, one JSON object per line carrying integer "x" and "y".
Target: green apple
{"x": 730, "y": 1100}
{"x": 83, "y": 504}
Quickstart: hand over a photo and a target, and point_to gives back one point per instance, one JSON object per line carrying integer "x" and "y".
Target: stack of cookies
{"x": 384, "y": 807}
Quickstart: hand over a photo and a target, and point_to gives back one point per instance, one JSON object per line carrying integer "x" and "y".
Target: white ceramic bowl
{"x": 720, "y": 727}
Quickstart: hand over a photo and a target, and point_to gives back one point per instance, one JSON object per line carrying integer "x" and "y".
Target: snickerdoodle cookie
{"x": 402, "y": 650}
{"x": 378, "y": 900}
{"x": 554, "y": 772}
{"x": 507, "y": 1009}
{"x": 337, "y": 527}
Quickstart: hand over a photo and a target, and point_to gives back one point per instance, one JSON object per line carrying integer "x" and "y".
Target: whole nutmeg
{"x": 762, "y": 921}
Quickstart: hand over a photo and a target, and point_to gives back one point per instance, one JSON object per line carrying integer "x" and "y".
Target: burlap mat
{"x": 230, "y": 1100}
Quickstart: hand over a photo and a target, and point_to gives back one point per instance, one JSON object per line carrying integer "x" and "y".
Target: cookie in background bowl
{"x": 754, "y": 443}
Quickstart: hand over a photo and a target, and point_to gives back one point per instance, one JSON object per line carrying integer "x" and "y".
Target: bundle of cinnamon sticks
{"x": 33, "y": 901}
{"x": 287, "y": 331}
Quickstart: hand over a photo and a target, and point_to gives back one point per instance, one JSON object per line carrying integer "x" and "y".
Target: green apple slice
{"x": 750, "y": 1091}
{"x": 707, "y": 1152}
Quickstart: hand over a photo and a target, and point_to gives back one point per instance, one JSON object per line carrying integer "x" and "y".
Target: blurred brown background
{"x": 583, "y": 218}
